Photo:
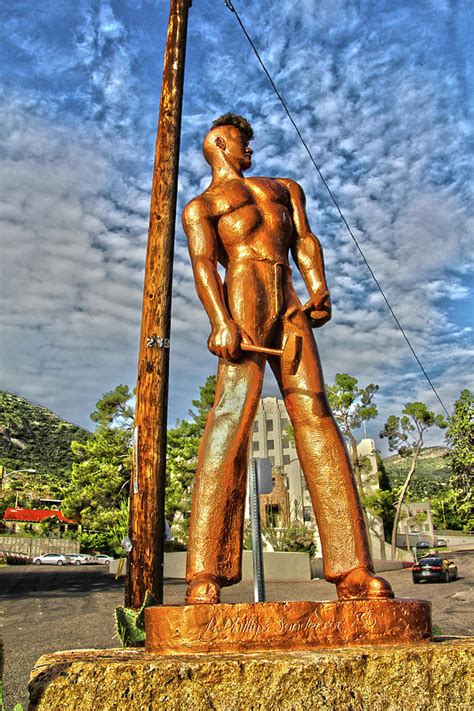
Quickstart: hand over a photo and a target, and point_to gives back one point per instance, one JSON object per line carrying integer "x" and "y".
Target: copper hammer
{"x": 291, "y": 351}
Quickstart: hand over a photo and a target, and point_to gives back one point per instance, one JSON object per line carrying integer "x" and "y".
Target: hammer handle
{"x": 261, "y": 349}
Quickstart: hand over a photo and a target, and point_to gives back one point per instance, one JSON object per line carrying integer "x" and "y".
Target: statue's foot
{"x": 204, "y": 588}
{"x": 362, "y": 583}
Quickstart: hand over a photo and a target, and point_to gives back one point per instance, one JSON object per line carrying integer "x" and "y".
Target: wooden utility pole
{"x": 147, "y": 493}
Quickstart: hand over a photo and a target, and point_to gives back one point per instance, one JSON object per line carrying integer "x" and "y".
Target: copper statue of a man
{"x": 249, "y": 226}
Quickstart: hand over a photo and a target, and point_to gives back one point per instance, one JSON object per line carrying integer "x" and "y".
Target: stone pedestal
{"x": 436, "y": 676}
{"x": 264, "y": 626}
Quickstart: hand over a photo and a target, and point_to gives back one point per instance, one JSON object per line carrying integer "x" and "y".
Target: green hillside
{"x": 33, "y": 437}
{"x": 432, "y": 473}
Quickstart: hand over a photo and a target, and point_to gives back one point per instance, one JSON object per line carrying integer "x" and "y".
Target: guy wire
{"x": 231, "y": 7}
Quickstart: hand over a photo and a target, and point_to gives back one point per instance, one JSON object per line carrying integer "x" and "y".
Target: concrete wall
{"x": 455, "y": 538}
{"x": 37, "y": 546}
{"x": 277, "y": 566}
{"x": 433, "y": 540}
{"x": 386, "y": 549}
{"x": 379, "y": 566}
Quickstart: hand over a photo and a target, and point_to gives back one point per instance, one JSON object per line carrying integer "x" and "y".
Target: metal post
{"x": 257, "y": 555}
{"x": 147, "y": 492}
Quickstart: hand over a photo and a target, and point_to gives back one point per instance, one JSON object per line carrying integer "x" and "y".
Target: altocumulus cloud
{"x": 383, "y": 96}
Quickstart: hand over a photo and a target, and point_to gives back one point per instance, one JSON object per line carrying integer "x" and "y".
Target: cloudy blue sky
{"x": 383, "y": 92}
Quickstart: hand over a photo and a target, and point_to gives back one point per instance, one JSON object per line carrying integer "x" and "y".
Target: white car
{"x": 50, "y": 559}
{"x": 78, "y": 558}
{"x": 101, "y": 559}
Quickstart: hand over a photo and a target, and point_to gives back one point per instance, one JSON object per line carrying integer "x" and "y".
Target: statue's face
{"x": 237, "y": 148}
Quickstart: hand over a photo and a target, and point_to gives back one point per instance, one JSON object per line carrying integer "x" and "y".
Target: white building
{"x": 270, "y": 441}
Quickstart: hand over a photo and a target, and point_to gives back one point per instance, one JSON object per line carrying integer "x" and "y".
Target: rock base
{"x": 263, "y": 626}
{"x": 436, "y": 676}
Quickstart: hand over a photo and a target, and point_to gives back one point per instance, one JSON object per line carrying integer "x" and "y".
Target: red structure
{"x": 34, "y": 516}
{"x": 28, "y": 519}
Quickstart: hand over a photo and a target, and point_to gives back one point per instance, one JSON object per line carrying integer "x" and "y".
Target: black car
{"x": 433, "y": 568}
{"x": 422, "y": 544}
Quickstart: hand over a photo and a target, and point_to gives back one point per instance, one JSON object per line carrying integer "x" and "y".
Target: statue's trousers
{"x": 262, "y": 301}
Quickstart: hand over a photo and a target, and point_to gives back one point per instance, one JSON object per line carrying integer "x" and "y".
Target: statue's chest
{"x": 246, "y": 206}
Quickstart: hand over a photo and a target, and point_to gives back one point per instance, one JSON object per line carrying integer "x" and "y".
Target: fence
{"x": 37, "y": 546}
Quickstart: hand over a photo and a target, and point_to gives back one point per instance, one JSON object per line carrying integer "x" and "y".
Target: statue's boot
{"x": 363, "y": 583}
{"x": 204, "y": 588}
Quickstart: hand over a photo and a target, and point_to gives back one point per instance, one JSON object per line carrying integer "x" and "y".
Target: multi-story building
{"x": 270, "y": 440}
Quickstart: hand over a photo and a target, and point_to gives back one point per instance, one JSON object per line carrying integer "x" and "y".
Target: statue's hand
{"x": 224, "y": 341}
{"x": 318, "y": 308}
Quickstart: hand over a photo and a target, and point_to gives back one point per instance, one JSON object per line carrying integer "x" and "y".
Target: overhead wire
{"x": 231, "y": 7}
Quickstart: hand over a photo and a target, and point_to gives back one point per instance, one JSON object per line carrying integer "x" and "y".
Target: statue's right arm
{"x": 200, "y": 230}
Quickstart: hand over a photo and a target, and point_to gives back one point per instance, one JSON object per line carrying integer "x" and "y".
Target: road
{"x": 49, "y": 608}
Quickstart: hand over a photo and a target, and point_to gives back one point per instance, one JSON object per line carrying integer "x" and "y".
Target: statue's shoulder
{"x": 199, "y": 206}
{"x": 200, "y": 202}
{"x": 294, "y": 189}
{"x": 290, "y": 184}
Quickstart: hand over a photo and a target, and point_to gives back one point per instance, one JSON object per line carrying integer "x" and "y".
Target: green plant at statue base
{"x": 294, "y": 539}
{"x": 130, "y": 624}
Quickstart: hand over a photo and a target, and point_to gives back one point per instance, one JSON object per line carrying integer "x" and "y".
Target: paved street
{"x": 47, "y": 609}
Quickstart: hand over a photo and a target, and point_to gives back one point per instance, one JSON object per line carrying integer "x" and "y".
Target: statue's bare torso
{"x": 253, "y": 219}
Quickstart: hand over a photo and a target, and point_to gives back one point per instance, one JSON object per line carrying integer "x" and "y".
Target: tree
{"x": 100, "y": 478}
{"x": 109, "y": 538}
{"x": 207, "y": 395}
{"x": 352, "y": 406}
{"x": 182, "y": 447}
{"x": 182, "y": 450}
{"x": 453, "y": 510}
{"x": 98, "y": 491}
{"x": 460, "y": 437}
{"x": 97, "y": 494}
{"x": 114, "y": 409}
{"x": 406, "y": 435}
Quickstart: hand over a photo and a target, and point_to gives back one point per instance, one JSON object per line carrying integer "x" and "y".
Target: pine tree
{"x": 352, "y": 406}
{"x": 182, "y": 450}
{"x": 406, "y": 435}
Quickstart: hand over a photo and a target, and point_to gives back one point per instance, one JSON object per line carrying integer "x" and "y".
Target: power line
{"x": 331, "y": 195}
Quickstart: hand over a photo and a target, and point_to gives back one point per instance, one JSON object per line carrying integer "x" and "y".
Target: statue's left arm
{"x": 308, "y": 255}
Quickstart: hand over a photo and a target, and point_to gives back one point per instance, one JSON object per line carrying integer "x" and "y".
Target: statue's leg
{"x": 327, "y": 469}
{"x": 217, "y": 517}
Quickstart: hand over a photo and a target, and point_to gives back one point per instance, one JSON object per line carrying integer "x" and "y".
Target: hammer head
{"x": 292, "y": 350}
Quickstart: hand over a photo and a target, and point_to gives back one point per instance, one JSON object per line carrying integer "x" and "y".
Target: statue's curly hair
{"x": 235, "y": 120}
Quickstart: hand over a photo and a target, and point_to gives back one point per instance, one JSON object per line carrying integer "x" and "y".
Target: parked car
{"x": 434, "y": 568}
{"x": 50, "y": 559}
{"x": 79, "y": 558}
{"x": 101, "y": 559}
{"x": 441, "y": 542}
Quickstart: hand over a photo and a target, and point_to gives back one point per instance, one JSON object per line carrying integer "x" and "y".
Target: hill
{"x": 33, "y": 437}
{"x": 432, "y": 473}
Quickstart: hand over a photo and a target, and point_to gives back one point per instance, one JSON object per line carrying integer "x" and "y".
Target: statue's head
{"x": 228, "y": 142}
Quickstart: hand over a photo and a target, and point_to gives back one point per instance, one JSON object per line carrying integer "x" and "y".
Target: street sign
{"x": 264, "y": 475}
